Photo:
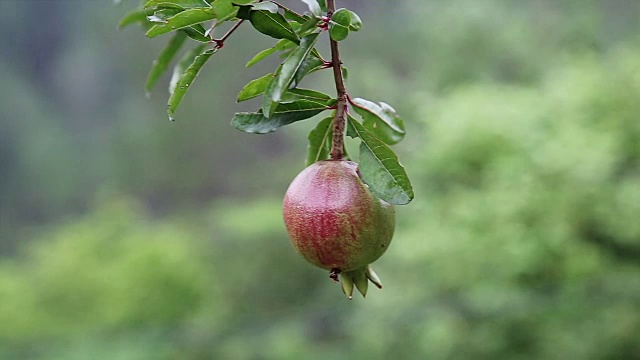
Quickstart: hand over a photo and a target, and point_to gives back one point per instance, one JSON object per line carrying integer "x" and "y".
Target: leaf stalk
{"x": 220, "y": 42}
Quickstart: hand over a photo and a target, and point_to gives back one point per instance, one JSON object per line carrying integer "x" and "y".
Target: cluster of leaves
{"x": 283, "y": 101}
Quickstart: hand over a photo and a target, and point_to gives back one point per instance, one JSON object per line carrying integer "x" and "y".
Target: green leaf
{"x": 317, "y": 7}
{"x": 339, "y": 24}
{"x": 254, "y": 88}
{"x": 224, "y": 9}
{"x": 184, "y": 19}
{"x": 197, "y": 32}
{"x": 273, "y": 25}
{"x": 382, "y": 120}
{"x": 266, "y": 6}
{"x": 284, "y": 114}
{"x": 257, "y": 87}
{"x": 308, "y": 26}
{"x": 293, "y": 95}
{"x": 182, "y": 65}
{"x": 282, "y": 44}
{"x": 310, "y": 64}
{"x": 162, "y": 15}
{"x": 132, "y": 17}
{"x": 185, "y": 80}
{"x": 161, "y": 64}
{"x": 320, "y": 141}
{"x": 356, "y": 23}
{"x": 183, "y": 4}
{"x": 379, "y": 167}
{"x": 244, "y": 2}
{"x": 280, "y": 83}
{"x": 261, "y": 56}
{"x": 290, "y": 15}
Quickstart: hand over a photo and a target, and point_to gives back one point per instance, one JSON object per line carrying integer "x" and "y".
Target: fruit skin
{"x": 333, "y": 220}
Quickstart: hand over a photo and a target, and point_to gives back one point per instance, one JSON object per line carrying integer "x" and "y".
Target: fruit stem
{"x": 341, "y": 107}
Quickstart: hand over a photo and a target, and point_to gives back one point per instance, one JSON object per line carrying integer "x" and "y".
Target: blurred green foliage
{"x": 125, "y": 237}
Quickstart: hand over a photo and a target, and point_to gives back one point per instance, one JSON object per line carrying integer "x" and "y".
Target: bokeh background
{"x": 124, "y": 236}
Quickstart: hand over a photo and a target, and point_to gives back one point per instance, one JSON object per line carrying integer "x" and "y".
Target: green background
{"x": 124, "y": 236}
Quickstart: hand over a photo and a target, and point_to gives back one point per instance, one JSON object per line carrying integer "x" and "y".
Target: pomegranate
{"x": 335, "y": 222}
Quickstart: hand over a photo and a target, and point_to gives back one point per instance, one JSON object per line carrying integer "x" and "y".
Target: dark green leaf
{"x": 244, "y": 12}
{"x": 186, "y": 79}
{"x": 284, "y": 114}
{"x": 310, "y": 64}
{"x": 345, "y": 73}
{"x": 273, "y": 25}
{"x": 382, "y": 120}
{"x": 197, "y": 32}
{"x": 184, "y": 4}
{"x": 280, "y": 83}
{"x": 244, "y": 2}
{"x": 293, "y": 95}
{"x": 254, "y": 88}
{"x": 161, "y": 64}
{"x": 320, "y": 141}
{"x": 379, "y": 167}
{"x": 317, "y": 7}
{"x": 186, "y": 18}
{"x": 132, "y": 17}
{"x": 339, "y": 24}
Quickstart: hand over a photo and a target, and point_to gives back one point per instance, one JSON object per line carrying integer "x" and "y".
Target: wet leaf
{"x": 161, "y": 64}
{"x": 186, "y": 79}
{"x": 184, "y": 19}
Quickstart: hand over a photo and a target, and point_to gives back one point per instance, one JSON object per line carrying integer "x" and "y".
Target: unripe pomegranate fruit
{"x": 335, "y": 222}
